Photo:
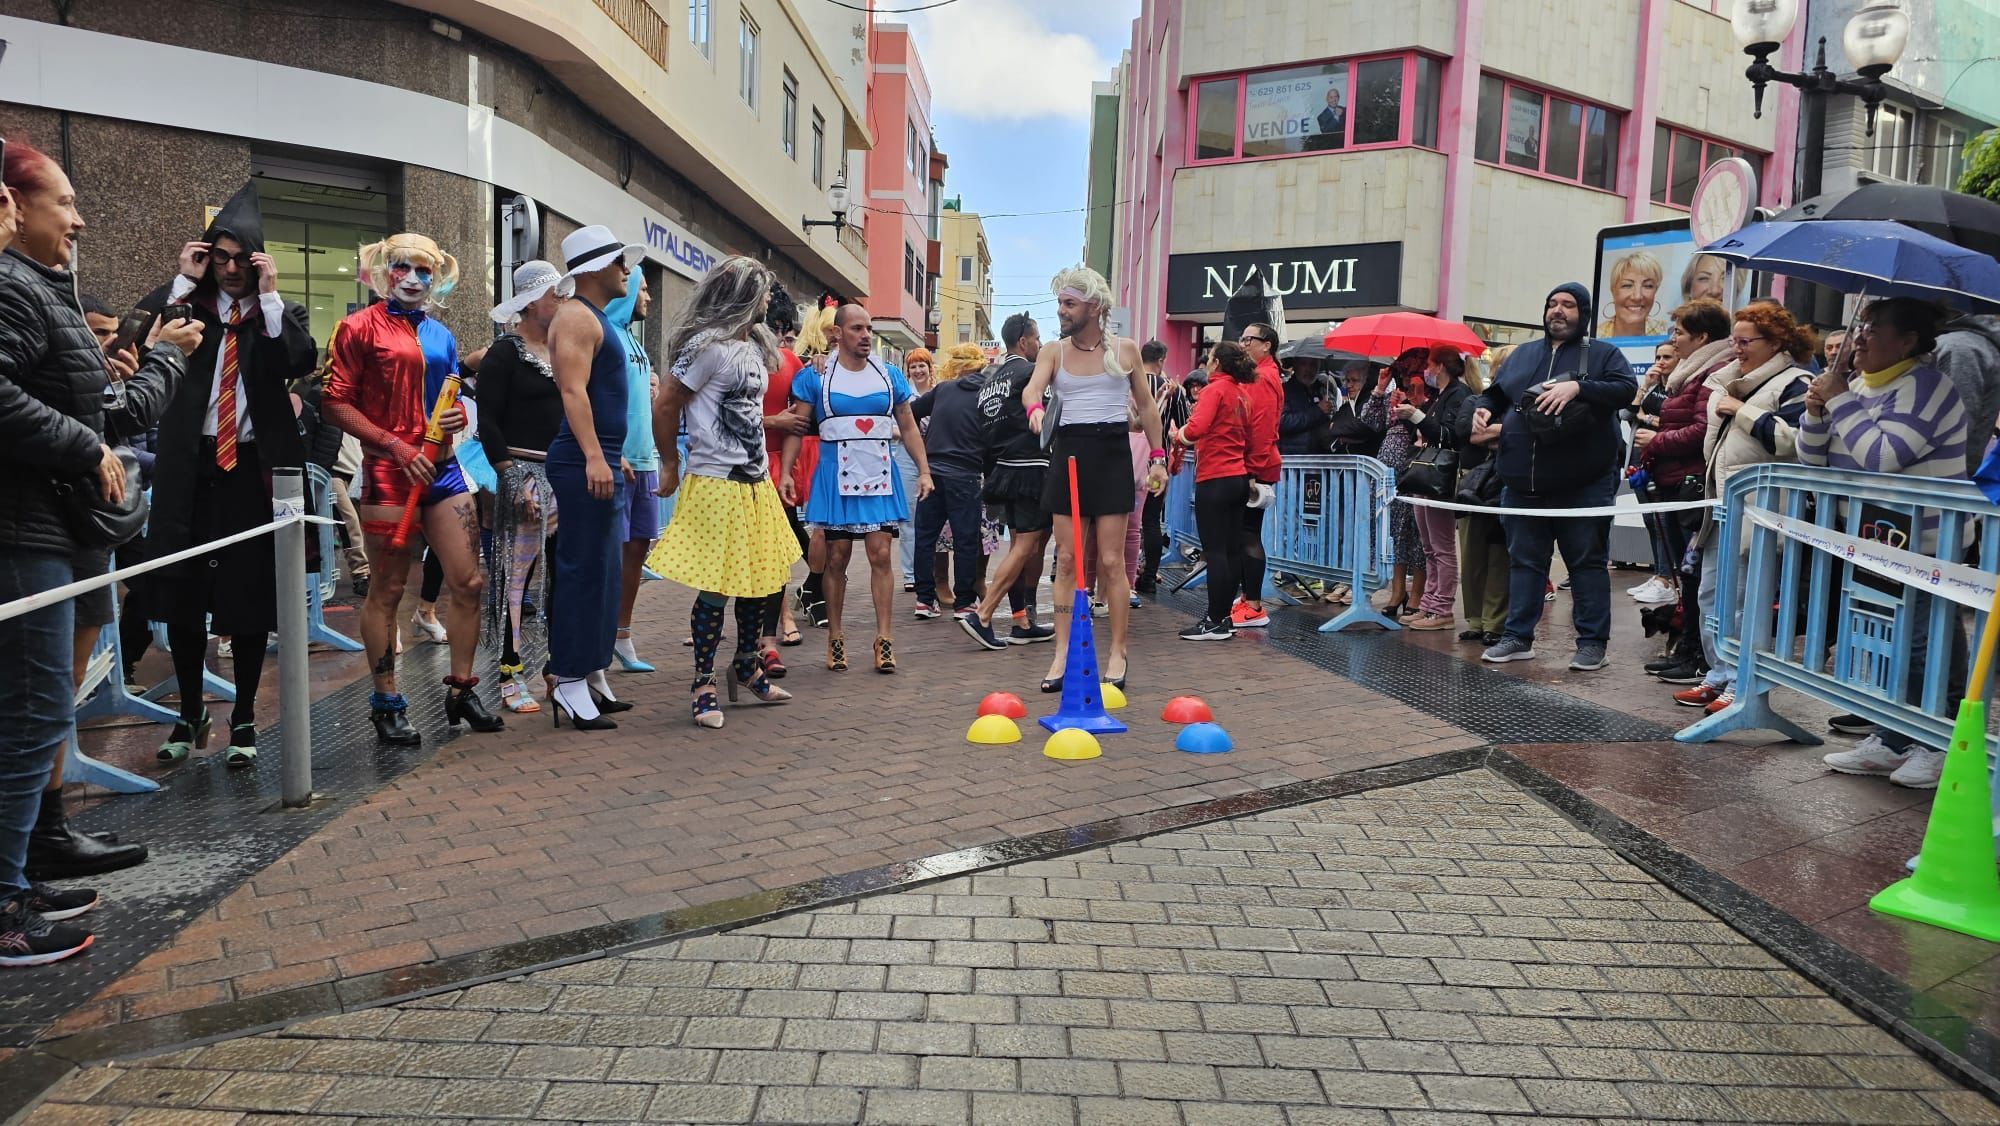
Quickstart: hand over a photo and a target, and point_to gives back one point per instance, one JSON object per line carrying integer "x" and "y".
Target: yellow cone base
{"x": 1956, "y": 886}
{"x": 1114, "y": 696}
{"x": 1072, "y": 744}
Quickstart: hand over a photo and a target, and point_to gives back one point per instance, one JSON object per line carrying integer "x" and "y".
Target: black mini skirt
{"x": 1105, "y": 475}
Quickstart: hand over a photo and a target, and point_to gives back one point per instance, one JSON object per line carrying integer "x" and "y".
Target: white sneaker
{"x": 1654, "y": 592}
{"x": 1869, "y": 756}
{"x": 1099, "y": 608}
{"x": 1921, "y": 770}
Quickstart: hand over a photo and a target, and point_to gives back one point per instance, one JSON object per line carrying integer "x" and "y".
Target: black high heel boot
{"x": 391, "y": 717}
{"x": 463, "y": 705}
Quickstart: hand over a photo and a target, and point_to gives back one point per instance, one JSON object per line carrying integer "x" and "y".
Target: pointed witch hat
{"x": 241, "y": 219}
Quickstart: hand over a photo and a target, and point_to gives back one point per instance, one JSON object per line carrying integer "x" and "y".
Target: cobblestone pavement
{"x": 1448, "y": 951}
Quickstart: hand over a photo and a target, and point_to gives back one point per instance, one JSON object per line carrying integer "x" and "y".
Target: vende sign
{"x": 1357, "y": 275}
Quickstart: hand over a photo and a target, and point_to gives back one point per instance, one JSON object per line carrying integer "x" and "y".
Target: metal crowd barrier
{"x": 1331, "y": 522}
{"x": 1177, "y": 516}
{"x": 1856, "y": 573}
{"x": 320, "y": 584}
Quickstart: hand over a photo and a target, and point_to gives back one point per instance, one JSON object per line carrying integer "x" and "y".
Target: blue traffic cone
{"x": 1082, "y": 698}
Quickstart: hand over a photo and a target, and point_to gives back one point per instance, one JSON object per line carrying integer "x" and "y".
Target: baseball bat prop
{"x": 433, "y": 445}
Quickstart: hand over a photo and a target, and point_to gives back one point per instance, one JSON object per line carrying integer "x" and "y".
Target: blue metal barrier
{"x": 102, "y": 694}
{"x": 1331, "y": 522}
{"x": 320, "y": 585}
{"x": 1178, "y": 520}
{"x": 1829, "y": 629}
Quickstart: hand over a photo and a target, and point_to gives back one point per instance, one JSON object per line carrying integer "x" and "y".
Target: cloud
{"x": 998, "y": 60}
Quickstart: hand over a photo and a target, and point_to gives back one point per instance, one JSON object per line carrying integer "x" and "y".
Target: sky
{"x": 1010, "y": 94}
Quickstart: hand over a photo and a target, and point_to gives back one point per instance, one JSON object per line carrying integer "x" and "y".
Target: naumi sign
{"x": 1357, "y": 275}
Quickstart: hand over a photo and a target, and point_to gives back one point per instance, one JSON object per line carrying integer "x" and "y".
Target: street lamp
{"x": 1874, "y": 39}
{"x": 836, "y": 199}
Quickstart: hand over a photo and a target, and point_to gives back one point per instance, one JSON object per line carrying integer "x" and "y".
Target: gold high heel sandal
{"x": 836, "y": 654}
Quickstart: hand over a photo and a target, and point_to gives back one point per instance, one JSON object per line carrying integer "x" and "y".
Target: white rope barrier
{"x": 52, "y": 596}
{"x": 1562, "y": 513}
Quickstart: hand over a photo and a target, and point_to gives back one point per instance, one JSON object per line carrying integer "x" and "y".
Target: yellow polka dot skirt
{"x": 728, "y": 537}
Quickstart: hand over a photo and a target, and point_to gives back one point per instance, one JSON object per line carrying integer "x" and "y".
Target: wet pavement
{"x": 482, "y": 858}
{"x": 1448, "y": 950}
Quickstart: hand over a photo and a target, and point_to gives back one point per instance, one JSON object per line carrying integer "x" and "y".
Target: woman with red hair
{"x": 53, "y": 431}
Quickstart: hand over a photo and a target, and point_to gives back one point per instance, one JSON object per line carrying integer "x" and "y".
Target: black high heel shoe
{"x": 463, "y": 705}
{"x": 609, "y": 706}
{"x": 559, "y": 712}
{"x": 1052, "y": 684}
{"x": 1118, "y": 682}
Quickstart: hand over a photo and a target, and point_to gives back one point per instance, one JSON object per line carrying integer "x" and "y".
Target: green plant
{"x": 1982, "y": 166}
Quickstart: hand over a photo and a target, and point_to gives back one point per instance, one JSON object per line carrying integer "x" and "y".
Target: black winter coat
{"x": 52, "y": 416}
{"x": 1302, "y": 426}
{"x": 268, "y": 365}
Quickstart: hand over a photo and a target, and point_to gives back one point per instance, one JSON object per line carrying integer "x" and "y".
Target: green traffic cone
{"x": 1956, "y": 885}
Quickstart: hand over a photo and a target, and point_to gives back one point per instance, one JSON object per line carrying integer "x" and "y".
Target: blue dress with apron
{"x": 855, "y": 486}
{"x": 589, "y": 542}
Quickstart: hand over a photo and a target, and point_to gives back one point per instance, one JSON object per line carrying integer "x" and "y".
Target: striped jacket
{"x": 1914, "y": 425}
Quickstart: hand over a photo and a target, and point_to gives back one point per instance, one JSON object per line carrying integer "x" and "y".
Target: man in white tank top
{"x": 1088, "y": 349}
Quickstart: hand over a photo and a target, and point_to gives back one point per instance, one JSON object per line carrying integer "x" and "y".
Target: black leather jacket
{"x": 52, "y": 402}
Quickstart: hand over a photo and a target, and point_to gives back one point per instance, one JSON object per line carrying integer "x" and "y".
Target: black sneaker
{"x": 1683, "y": 672}
{"x": 1851, "y": 725}
{"x": 27, "y": 939}
{"x": 1208, "y": 629}
{"x": 55, "y": 904}
{"x": 1655, "y": 668}
{"x": 1029, "y": 635}
{"x": 981, "y": 632}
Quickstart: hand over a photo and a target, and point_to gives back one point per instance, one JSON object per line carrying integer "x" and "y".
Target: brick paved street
{"x": 1450, "y": 950}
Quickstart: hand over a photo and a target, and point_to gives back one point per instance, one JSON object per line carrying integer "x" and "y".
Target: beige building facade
{"x": 965, "y": 291}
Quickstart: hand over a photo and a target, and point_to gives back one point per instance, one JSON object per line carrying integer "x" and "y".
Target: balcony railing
{"x": 640, "y": 20}
{"x": 855, "y": 242}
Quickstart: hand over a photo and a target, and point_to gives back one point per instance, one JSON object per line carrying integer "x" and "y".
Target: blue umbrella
{"x": 1876, "y": 257}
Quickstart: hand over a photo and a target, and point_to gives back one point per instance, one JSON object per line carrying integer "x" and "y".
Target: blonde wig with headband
{"x": 418, "y": 250}
{"x": 1089, "y": 286}
{"x": 815, "y": 338}
{"x": 961, "y": 359}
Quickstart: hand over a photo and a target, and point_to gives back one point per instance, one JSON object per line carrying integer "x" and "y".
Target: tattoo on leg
{"x": 385, "y": 665}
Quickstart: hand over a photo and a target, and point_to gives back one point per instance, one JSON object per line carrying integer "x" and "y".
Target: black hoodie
{"x": 1536, "y": 466}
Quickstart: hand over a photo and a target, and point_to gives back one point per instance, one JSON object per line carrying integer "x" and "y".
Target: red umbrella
{"x": 1388, "y": 335}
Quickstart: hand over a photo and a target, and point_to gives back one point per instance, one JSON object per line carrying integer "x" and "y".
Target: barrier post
{"x": 288, "y": 499}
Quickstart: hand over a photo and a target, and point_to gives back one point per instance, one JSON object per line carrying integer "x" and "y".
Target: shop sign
{"x": 1356, "y": 275}
{"x": 678, "y": 250}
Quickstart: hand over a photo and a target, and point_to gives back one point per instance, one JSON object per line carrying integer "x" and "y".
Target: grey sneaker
{"x": 1508, "y": 649}
{"x": 1589, "y": 658}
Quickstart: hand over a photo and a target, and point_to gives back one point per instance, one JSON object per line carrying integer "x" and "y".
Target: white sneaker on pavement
{"x": 1921, "y": 770}
{"x": 1654, "y": 592}
{"x": 1869, "y": 756}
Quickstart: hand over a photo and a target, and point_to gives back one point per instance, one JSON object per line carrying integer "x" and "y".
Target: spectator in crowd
{"x": 1557, "y": 402}
{"x": 1892, "y": 412}
{"x": 1671, "y": 466}
{"x": 639, "y": 463}
{"x": 1755, "y": 405}
{"x": 1221, "y": 432}
{"x": 813, "y": 344}
{"x": 1017, "y": 468}
{"x": 1348, "y": 428}
{"x": 949, "y": 416}
{"x": 920, "y": 367}
{"x": 1152, "y": 518}
{"x": 519, "y": 410}
{"x": 1663, "y": 586}
{"x": 1968, "y": 352}
{"x": 227, "y": 427}
{"x": 1401, "y": 383}
{"x": 1437, "y": 528}
{"x": 1267, "y": 401}
{"x": 1482, "y": 541}
{"x": 1302, "y": 426}
{"x": 780, "y": 420}
{"x": 54, "y": 424}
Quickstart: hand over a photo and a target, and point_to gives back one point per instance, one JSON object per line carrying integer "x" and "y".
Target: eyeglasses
{"x": 242, "y": 258}
{"x": 1253, "y": 339}
{"x": 1747, "y": 341}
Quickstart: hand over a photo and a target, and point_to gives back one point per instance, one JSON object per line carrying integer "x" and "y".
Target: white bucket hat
{"x": 593, "y": 248}
{"x": 533, "y": 280}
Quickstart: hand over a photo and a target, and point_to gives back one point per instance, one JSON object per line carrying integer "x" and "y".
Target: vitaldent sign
{"x": 675, "y": 248}
{"x": 1354, "y": 276}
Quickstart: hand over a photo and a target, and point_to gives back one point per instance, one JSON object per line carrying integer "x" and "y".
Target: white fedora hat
{"x": 592, "y": 248}
{"x": 533, "y": 280}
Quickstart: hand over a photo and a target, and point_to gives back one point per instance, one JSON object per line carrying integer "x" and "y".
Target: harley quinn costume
{"x": 386, "y": 368}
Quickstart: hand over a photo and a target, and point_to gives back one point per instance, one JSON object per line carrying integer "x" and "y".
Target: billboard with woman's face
{"x": 1647, "y": 270}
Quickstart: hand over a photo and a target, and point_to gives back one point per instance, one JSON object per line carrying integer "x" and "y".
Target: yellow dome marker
{"x": 1071, "y": 744}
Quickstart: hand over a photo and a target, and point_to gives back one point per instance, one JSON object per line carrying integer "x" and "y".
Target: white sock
{"x": 601, "y": 683}
{"x": 574, "y": 696}
{"x": 623, "y": 647}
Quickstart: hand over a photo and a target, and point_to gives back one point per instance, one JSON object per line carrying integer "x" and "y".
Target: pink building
{"x": 903, "y": 190}
{"x": 1451, "y": 156}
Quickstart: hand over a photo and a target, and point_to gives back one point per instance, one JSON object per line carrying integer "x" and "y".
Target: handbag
{"x": 1572, "y": 421}
{"x": 1480, "y": 484}
{"x": 95, "y": 521}
{"x": 1432, "y": 473}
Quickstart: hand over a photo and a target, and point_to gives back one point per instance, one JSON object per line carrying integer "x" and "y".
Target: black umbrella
{"x": 1314, "y": 348}
{"x": 1960, "y": 219}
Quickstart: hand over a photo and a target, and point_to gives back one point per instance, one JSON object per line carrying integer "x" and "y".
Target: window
{"x": 1547, "y": 134}
{"x": 788, "y": 125}
{"x": 913, "y": 271}
{"x": 937, "y": 204}
{"x": 819, "y": 150}
{"x": 910, "y": 145}
{"x": 1944, "y": 160}
{"x": 965, "y": 269}
{"x": 698, "y": 25}
{"x": 1679, "y": 159}
{"x": 1318, "y": 107}
{"x": 746, "y": 54}
{"x": 1917, "y": 148}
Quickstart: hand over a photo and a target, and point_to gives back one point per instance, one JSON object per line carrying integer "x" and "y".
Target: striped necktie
{"x": 225, "y": 398}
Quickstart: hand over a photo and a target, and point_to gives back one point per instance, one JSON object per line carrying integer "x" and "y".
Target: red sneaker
{"x": 1700, "y": 696}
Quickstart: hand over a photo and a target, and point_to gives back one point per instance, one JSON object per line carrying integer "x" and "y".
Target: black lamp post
{"x": 1873, "y": 40}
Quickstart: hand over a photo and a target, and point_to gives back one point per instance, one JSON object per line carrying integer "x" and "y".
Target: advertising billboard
{"x": 1644, "y": 272}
